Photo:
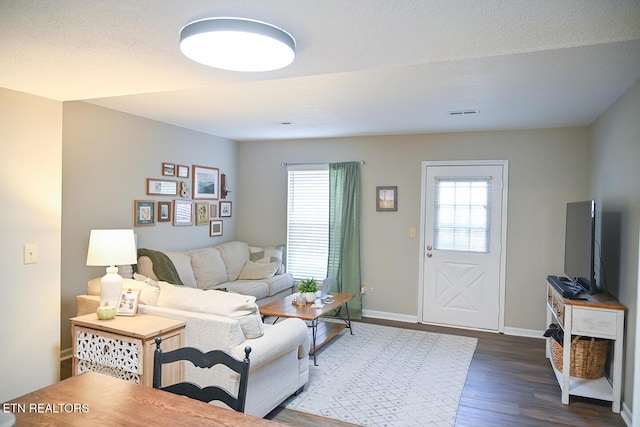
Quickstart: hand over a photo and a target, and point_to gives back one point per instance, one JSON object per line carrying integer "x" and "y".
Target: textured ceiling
{"x": 362, "y": 66}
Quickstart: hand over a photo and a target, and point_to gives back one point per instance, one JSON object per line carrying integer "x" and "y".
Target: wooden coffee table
{"x": 321, "y": 332}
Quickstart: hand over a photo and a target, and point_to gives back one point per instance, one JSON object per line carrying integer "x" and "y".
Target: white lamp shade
{"x": 111, "y": 247}
{"x": 237, "y": 44}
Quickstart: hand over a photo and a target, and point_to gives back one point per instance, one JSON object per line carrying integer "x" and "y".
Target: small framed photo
{"x": 225, "y": 209}
{"x": 168, "y": 169}
{"x": 205, "y": 182}
{"x": 215, "y": 228}
{"x": 387, "y": 199}
{"x": 182, "y": 212}
{"x": 213, "y": 210}
{"x": 162, "y": 187}
{"x": 164, "y": 211}
{"x": 128, "y": 304}
{"x": 202, "y": 213}
{"x": 144, "y": 213}
{"x": 183, "y": 171}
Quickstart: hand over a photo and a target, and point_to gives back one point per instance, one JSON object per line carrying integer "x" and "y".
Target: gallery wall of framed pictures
{"x": 192, "y": 198}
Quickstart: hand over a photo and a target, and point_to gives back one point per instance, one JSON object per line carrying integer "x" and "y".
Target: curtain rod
{"x": 283, "y": 164}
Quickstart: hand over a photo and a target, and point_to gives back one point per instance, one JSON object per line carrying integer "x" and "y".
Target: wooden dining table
{"x": 93, "y": 399}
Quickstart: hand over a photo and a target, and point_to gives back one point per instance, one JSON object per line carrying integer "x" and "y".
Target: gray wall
{"x": 30, "y": 190}
{"x": 539, "y": 187}
{"x": 107, "y": 157}
{"x": 615, "y": 176}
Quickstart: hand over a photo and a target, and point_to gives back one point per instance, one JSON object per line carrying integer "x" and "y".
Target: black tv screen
{"x": 579, "y": 244}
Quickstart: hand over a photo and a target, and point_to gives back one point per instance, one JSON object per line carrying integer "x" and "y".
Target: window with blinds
{"x": 308, "y": 222}
{"x": 462, "y": 214}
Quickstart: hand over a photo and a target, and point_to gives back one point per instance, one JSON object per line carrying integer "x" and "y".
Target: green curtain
{"x": 344, "y": 231}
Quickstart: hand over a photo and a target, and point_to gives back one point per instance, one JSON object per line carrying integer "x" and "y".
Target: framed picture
{"x": 205, "y": 182}
{"x": 161, "y": 187}
{"x": 164, "y": 211}
{"x": 168, "y": 169}
{"x": 387, "y": 199}
{"x": 225, "y": 209}
{"x": 213, "y": 210}
{"x": 215, "y": 228}
{"x": 202, "y": 213}
{"x": 182, "y": 212}
{"x": 128, "y": 304}
{"x": 183, "y": 171}
{"x": 144, "y": 212}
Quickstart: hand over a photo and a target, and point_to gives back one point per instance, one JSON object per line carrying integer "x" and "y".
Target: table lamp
{"x": 111, "y": 248}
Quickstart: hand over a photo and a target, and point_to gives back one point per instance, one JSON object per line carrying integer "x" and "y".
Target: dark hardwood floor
{"x": 510, "y": 383}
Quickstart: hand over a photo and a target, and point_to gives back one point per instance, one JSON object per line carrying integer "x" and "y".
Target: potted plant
{"x": 308, "y": 288}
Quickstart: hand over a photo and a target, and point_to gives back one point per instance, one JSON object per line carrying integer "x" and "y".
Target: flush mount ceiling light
{"x": 237, "y": 44}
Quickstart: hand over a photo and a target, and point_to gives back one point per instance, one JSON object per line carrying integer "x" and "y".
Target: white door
{"x": 463, "y": 236}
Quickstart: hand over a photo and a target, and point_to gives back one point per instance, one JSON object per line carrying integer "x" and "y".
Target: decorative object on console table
{"x": 164, "y": 211}
{"x": 225, "y": 209}
{"x": 161, "y": 187}
{"x": 128, "y": 303}
{"x": 215, "y": 228}
{"x": 123, "y": 347}
{"x": 144, "y": 213}
{"x": 111, "y": 248}
{"x": 224, "y": 187}
{"x": 308, "y": 288}
{"x": 205, "y": 182}
{"x": 182, "y": 212}
{"x": 387, "y": 199}
{"x": 202, "y": 213}
{"x": 168, "y": 169}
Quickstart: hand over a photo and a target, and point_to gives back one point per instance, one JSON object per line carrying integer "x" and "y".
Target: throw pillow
{"x": 208, "y": 267}
{"x": 236, "y": 306}
{"x": 256, "y": 270}
{"x": 268, "y": 254}
{"x": 234, "y": 255}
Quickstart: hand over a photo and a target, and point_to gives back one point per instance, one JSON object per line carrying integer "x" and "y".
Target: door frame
{"x": 503, "y": 231}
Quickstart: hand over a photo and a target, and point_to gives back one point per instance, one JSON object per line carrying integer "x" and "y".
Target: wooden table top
{"x": 95, "y": 399}
{"x": 285, "y": 307}
{"x": 141, "y": 326}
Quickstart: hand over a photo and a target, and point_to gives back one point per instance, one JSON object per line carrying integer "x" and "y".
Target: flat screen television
{"x": 579, "y": 244}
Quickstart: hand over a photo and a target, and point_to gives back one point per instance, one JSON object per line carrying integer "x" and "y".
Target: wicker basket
{"x": 588, "y": 357}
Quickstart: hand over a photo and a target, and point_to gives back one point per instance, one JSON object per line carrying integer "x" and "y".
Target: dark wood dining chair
{"x": 203, "y": 360}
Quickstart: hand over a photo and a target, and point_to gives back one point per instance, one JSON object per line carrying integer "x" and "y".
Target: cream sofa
{"x": 227, "y": 321}
{"x": 233, "y": 266}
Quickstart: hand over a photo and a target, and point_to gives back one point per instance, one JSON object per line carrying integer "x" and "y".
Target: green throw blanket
{"x": 162, "y": 266}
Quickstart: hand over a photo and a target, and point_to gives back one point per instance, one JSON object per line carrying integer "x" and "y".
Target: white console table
{"x": 599, "y": 316}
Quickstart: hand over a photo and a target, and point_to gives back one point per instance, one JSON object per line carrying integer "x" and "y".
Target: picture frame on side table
{"x": 161, "y": 187}
{"x": 202, "y": 213}
{"x": 215, "y": 228}
{"x": 225, "y": 209}
{"x": 164, "y": 211}
{"x": 182, "y": 212}
{"x": 183, "y": 171}
{"x": 144, "y": 212}
{"x": 205, "y": 183}
{"x": 387, "y": 199}
{"x": 128, "y": 304}
{"x": 168, "y": 169}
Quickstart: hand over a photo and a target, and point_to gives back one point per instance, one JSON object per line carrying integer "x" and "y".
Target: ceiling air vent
{"x": 463, "y": 112}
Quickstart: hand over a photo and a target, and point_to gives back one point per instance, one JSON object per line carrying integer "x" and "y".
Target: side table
{"x": 123, "y": 347}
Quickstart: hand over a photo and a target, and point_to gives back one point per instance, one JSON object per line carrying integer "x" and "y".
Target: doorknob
{"x": 429, "y": 247}
{"x": 429, "y": 254}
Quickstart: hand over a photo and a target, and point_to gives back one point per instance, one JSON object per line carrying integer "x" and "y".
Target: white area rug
{"x": 384, "y": 376}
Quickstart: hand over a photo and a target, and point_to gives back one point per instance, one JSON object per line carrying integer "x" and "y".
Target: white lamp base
{"x": 111, "y": 287}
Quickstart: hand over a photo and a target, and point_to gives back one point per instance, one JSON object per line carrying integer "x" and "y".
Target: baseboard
{"x": 66, "y": 353}
{"x": 389, "y": 316}
{"x": 529, "y": 333}
{"x": 626, "y": 415}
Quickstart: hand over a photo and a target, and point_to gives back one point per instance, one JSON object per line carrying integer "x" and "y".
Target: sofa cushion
{"x": 268, "y": 254}
{"x": 208, "y": 267}
{"x": 240, "y": 307}
{"x": 234, "y": 255}
{"x": 256, "y": 270}
{"x": 148, "y": 293}
{"x": 145, "y": 267}
{"x": 279, "y": 283}
{"x": 182, "y": 262}
{"x": 257, "y": 288}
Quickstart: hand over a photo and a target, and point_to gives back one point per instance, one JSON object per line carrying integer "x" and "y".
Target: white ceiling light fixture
{"x": 237, "y": 44}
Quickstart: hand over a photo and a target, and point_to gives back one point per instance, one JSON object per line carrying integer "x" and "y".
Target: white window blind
{"x": 462, "y": 214}
{"x": 308, "y": 222}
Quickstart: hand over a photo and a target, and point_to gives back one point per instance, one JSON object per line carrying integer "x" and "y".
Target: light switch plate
{"x": 30, "y": 253}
